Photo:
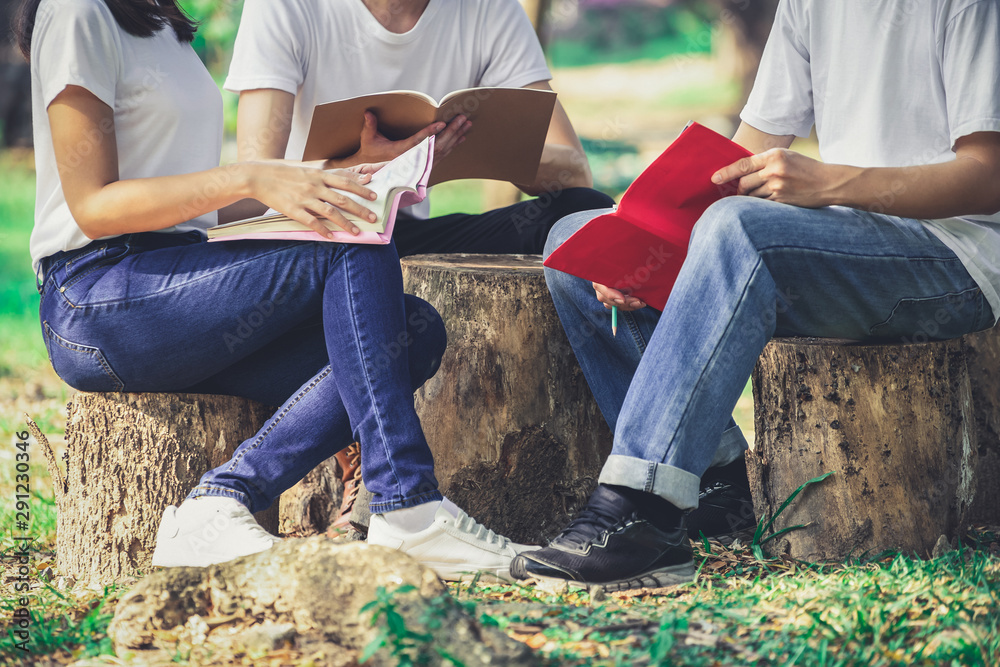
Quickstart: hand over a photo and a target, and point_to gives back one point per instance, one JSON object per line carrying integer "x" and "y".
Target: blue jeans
{"x": 321, "y": 329}
{"x": 755, "y": 269}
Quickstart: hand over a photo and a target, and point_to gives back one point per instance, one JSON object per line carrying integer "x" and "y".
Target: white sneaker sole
{"x": 176, "y": 555}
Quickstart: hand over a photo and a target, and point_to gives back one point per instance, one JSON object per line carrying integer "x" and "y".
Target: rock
{"x": 268, "y": 636}
{"x": 309, "y": 594}
{"x": 941, "y": 547}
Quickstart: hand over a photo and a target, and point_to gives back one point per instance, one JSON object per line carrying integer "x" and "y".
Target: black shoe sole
{"x": 664, "y": 577}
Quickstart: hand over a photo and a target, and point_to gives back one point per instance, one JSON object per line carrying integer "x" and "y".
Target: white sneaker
{"x": 455, "y": 547}
{"x": 207, "y": 530}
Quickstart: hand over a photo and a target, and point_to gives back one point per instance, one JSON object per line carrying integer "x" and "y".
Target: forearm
{"x": 960, "y": 187}
{"x": 561, "y": 167}
{"x": 150, "y": 204}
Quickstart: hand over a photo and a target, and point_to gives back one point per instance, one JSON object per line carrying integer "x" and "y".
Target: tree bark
{"x": 128, "y": 457}
{"x": 517, "y": 437}
{"x": 309, "y": 507}
{"x": 983, "y": 353}
{"x": 895, "y": 423}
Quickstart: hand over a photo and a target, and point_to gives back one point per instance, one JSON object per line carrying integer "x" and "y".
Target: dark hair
{"x": 141, "y": 18}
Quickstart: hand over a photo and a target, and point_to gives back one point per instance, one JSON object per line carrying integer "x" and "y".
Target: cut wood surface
{"x": 895, "y": 423}
{"x": 128, "y": 456}
{"x": 517, "y": 437}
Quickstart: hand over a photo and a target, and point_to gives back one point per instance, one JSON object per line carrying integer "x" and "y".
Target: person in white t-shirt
{"x": 128, "y": 130}
{"x": 895, "y": 237}
{"x": 291, "y": 56}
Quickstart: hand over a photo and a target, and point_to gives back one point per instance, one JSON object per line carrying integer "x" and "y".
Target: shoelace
{"x": 713, "y": 487}
{"x": 592, "y": 522}
{"x": 354, "y": 460}
{"x": 467, "y": 524}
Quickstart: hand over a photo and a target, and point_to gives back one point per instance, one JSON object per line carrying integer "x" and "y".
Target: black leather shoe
{"x": 724, "y": 504}
{"x": 610, "y": 544}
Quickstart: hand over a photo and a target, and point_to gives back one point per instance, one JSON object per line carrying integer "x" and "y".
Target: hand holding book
{"x": 401, "y": 182}
{"x": 639, "y": 248}
{"x": 376, "y": 147}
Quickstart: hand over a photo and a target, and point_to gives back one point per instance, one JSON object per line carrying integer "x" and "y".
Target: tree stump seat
{"x": 911, "y": 432}
{"x": 127, "y": 457}
{"x": 517, "y": 437}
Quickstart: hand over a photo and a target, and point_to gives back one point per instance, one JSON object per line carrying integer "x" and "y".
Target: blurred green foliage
{"x": 616, "y": 34}
{"x": 219, "y": 20}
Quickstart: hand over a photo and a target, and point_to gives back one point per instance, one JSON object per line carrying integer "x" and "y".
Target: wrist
{"x": 844, "y": 181}
{"x": 246, "y": 180}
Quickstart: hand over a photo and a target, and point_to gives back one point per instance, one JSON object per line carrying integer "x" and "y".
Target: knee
{"x": 426, "y": 329}
{"x": 734, "y": 218}
{"x": 568, "y": 226}
{"x": 360, "y": 254}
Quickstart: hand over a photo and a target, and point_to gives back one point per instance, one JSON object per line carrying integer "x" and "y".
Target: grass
{"x": 896, "y": 611}
{"x": 67, "y": 622}
{"x": 22, "y": 347}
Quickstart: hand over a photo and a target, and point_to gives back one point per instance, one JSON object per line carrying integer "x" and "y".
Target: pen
{"x": 614, "y": 321}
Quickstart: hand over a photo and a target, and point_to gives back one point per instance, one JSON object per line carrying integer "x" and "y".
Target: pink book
{"x": 401, "y": 183}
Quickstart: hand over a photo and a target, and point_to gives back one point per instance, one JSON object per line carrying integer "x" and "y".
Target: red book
{"x": 640, "y": 246}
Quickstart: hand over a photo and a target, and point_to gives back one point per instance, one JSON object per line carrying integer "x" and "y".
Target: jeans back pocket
{"x": 82, "y": 367}
{"x": 82, "y": 270}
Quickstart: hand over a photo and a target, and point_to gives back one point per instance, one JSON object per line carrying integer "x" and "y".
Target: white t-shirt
{"x": 889, "y": 83}
{"x": 167, "y": 109}
{"x": 327, "y": 50}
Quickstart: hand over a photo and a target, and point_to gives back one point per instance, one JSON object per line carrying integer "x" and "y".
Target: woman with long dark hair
{"x": 128, "y": 128}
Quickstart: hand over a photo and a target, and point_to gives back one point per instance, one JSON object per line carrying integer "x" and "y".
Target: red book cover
{"x": 640, "y": 246}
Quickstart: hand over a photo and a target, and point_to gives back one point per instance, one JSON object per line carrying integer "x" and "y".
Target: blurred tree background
{"x": 576, "y": 32}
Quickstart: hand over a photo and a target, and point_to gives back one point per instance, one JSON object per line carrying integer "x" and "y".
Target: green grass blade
{"x": 795, "y": 493}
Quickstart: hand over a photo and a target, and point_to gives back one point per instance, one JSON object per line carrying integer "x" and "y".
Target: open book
{"x": 640, "y": 246}
{"x": 402, "y": 182}
{"x": 505, "y": 143}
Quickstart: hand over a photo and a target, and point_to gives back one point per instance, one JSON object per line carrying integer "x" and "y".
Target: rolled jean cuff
{"x": 731, "y": 447}
{"x": 413, "y": 501}
{"x": 223, "y": 492}
{"x": 678, "y": 486}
